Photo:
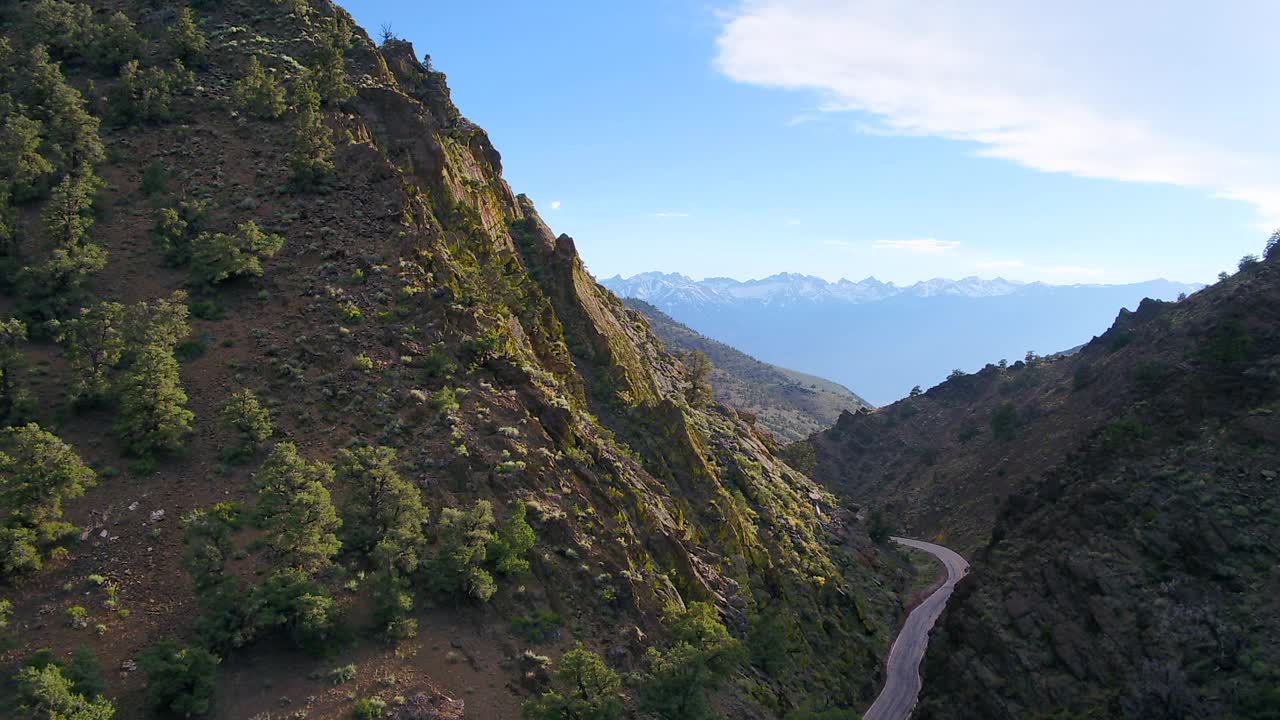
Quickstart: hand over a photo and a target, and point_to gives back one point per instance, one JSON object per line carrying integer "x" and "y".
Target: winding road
{"x": 902, "y": 686}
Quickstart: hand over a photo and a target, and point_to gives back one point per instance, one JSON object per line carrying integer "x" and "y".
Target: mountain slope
{"x": 790, "y": 404}
{"x": 883, "y": 339}
{"x": 1119, "y": 508}
{"x": 412, "y": 301}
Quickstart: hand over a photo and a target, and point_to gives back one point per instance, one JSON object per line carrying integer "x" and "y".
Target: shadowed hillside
{"x": 790, "y": 404}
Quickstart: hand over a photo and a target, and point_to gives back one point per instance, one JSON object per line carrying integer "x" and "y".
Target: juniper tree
{"x": 311, "y": 157}
{"x": 186, "y": 42}
{"x": 292, "y": 601}
{"x": 1273, "y": 246}
{"x": 95, "y": 342}
{"x": 38, "y": 472}
{"x": 153, "y": 416}
{"x": 295, "y": 510}
{"x": 380, "y": 505}
{"x": 258, "y": 93}
{"x": 218, "y": 257}
{"x": 48, "y": 290}
{"x": 21, "y": 163}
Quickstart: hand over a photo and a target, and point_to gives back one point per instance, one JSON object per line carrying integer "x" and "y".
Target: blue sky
{"x": 850, "y": 138}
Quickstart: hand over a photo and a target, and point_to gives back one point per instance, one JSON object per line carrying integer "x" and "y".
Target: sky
{"x": 1083, "y": 142}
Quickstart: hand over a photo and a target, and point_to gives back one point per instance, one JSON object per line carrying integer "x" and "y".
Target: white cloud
{"x": 1091, "y": 88}
{"x": 922, "y": 246}
{"x": 671, "y": 215}
{"x": 555, "y": 204}
{"x": 793, "y": 221}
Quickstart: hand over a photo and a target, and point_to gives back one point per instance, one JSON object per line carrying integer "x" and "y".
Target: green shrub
{"x": 802, "y": 456}
{"x": 370, "y": 708}
{"x": 180, "y": 680}
{"x": 343, "y": 674}
{"x": 585, "y": 687}
{"x": 539, "y": 627}
{"x": 219, "y": 257}
{"x": 257, "y": 92}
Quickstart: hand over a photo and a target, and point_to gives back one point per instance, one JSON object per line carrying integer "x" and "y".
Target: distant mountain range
{"x": 882, "y": 339}
{"x": 790, "y": 404}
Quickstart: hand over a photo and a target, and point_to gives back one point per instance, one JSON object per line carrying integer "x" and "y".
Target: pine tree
{"x": 296, "y": 511}
{"x": 95, "y": 343}
{"x": 380, "y": 505}
{"x": 153, "y": 415}
{"x": 20, "y": 159}
{"x": 312, "y": 154}
{"x": 258, "y": 93}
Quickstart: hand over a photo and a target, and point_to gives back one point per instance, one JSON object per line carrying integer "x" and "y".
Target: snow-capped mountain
{"x": 791, "y": 288}
{"x": 884, "y": 338}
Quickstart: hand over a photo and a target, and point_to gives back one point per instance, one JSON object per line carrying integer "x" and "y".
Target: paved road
{"x": 902, "y": 687}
